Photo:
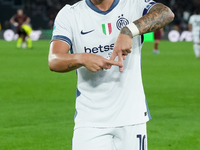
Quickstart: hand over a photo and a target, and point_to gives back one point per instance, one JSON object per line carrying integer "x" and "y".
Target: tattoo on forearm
{"x": 126, "y": 31}
{"x": 71, "y": 66}
{"x": 158, "y": 17}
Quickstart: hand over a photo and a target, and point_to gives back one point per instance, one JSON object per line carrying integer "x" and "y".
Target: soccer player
{"x": 157, "y": 37}
{"x": 18, "y": 21}
{"x": 105, "y": 41}
{"x": 194, "y": 27}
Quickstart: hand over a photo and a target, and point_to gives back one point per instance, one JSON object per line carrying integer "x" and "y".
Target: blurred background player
{"x": 157, "y": 36}
{"x": 21, "y": 21}
{"x": 194, "y": 27}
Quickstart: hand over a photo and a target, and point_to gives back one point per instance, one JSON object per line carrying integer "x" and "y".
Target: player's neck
{"x": 103, "y": 5}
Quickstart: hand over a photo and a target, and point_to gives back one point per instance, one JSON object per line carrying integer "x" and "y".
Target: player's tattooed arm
{"x": 125, "y": 30}
{"x": 158, "y": 16}
{"x": 72, "y": 67}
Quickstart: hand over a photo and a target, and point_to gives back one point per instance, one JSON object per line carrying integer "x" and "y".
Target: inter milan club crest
{"x": 121, "y": 22}
{"x": 107, "y": 28}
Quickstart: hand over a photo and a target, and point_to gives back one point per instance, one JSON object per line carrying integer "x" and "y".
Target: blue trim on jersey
{"x": 148, "y": 7}
{"x": 62, "y": 38}
{"x": 71, "y": 51}
{"x": 78, "y": 93}
{"x": 75, "y": 114}
{"x": 93, "y": 7}
{"x": 148, "y": 112}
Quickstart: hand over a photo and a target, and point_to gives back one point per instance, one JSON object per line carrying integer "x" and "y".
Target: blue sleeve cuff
{"x": 148, "y": 7}
{"x": 62, "y": 38}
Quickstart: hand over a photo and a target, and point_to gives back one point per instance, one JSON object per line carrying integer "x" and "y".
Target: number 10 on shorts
{"x": 142, "y": 141}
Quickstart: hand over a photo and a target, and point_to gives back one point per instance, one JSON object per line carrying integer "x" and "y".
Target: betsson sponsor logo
{"x": 99, "y": 49}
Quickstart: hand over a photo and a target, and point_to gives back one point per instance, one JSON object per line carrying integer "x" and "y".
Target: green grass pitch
{"x": 37, "y": 106}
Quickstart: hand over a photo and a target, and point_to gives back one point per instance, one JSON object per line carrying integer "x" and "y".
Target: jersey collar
{"x": 93, "y": 7}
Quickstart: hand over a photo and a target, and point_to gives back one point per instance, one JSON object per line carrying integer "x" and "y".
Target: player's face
{"x": 19, "y": 12}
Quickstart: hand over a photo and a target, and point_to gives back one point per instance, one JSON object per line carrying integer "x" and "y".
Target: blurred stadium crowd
{"x": 43, "y": 12}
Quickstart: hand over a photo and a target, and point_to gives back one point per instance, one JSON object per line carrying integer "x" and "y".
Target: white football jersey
{"x": 106, "y": 98}
{"x": 195, "y": 22}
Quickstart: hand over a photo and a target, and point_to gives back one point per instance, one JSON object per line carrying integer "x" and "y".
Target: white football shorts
{"x": 120, "y": 138}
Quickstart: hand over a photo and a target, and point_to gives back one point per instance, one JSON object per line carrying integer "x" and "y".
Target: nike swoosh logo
{"x": 83, "y": 33}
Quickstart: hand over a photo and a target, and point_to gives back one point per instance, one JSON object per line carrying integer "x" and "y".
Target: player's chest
{"x": 99, "y": 29}
{"x": 103, "y": 25}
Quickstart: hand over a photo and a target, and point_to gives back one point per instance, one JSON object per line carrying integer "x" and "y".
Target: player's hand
{"x": 95, "y": 63}
{"x": 15, "y": 24}
{"x": 121, "y": 49}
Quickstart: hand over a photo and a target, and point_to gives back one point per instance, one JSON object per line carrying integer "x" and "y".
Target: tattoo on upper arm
{"x": 158, "y": 16}
{"x": 126, "y": 31}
